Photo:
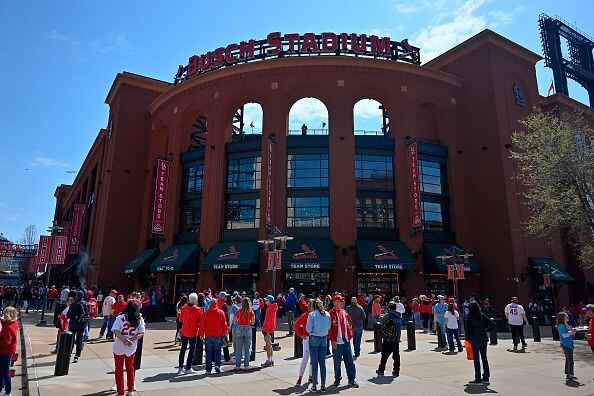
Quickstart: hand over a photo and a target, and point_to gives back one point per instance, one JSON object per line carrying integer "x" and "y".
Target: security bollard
{"x": 197, "y": 361}
{"x": 64, "y": 350}
{"x": 377, "y": 337}
{"x": 138, "y": 354}
{"x": 253, "y": 351}
{"x": 493, "y": 334}
{"x": 410, "y": 336}
{"x": 297, "y": 346}
{"x": 554, "y": 329}
{"x": 535, "y": 329}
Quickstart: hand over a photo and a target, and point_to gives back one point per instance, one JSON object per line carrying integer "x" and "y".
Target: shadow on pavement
{"x": 477, "y": 390}
{"x": 101, "y": 393}
{"x": 160, "y": 377}
{"x": 291, "y": 390}
{"x": 382, "y": 379}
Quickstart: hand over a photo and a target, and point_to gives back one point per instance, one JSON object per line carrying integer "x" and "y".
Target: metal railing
{"x": 321, "y": 131}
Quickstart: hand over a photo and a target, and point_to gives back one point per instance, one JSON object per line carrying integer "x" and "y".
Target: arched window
{"x": 247, "y": 120}
{"x": 370, "y": 117}
{"x": 308, "y": 116}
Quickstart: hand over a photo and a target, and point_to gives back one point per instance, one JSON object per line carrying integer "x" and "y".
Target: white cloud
{"x": 119, "y": 43}
{"x": 367, "y": 108}
{"x": 500, "y": 17}
{"x": 309, "y": 111}
{"x": 47, "y": 162}
{"x": 418, "y": 6}
{"x": 57, "y": 36}
{"x": 462, "y": 24}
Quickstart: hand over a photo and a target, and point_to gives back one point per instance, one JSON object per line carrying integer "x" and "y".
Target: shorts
{"x": 267, "y": 338}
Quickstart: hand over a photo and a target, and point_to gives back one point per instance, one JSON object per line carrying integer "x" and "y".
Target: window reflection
{"x": 192, "y": 178}
{"x": 307, "y": 170}
{"x": 244, "y": 174}
{"x": 432, "y": 216}
{"x": 189, "y": 219}
{"x": 430, "y": 177}
{"x": 307, "y": 212}
{"x": 242, "y": 214}
{"x": 375, "y": 212}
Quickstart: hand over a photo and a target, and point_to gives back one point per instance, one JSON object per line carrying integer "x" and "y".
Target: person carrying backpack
{"x": 78, "y": 316}
{"x": 390, "y": 331}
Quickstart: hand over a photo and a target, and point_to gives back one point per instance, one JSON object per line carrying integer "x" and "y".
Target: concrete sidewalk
{"x": 424, "y": 371}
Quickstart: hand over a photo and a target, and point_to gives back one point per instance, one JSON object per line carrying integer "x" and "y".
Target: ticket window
{"x": 388, "y": 284}
{"x": 308, "y": 283}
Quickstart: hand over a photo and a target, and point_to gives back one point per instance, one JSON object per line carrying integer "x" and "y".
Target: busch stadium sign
{"x": 277, "y": 45}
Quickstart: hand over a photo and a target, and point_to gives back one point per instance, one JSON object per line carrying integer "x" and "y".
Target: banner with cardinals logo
{"x": 160, "y": 199}
{"x": 76, "y": 228}
{"x": 302, "y": 254}
{"x": 43, "y": 251}
{"x": 59, "y": 250}
{"x": 414, "y": 188}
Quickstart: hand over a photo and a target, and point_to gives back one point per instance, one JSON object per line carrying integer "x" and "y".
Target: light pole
{"x": 452, "y": 251}
{"x": 273, "y": 243}
{"x": 52, "y": 230}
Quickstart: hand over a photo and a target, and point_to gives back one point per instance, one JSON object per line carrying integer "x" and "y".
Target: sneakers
{"x": 298, "y": 383}
{"x": 218, "y": 370}
{"x": 323, "y": 388}
{"x": 313, "y": 389}
{"x": 189, "y": 371}
{"x": 524, "y": 345}
{"x": 336, "y": 383}
{"x": 181, "y": 371}
{"x": 353, "y": 384}
{"x": 379, "y": 372}
{"x": 476, "y": 383}
{"x": 486, "y": 382}
{"x": 396, "y": 373}
{"x": 236, "y": 369}
{"x": 268, "y": 363}
{"x": 75, "y": 359}
{"x": 246, "y": 369}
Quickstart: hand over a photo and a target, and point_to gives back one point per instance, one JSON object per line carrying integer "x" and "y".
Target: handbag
{"x": 469, "y": 352}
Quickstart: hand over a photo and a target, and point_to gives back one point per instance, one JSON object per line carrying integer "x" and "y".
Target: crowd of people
{"x": 223, "y": 325}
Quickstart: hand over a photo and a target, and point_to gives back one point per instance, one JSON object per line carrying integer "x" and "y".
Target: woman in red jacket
{"x": 301, "y": 332}
{"x": 8, "y": 345}
{"x": 190, "y": 317}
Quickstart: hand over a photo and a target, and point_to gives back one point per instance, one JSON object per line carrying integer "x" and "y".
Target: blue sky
{"x": 58, "y": 60}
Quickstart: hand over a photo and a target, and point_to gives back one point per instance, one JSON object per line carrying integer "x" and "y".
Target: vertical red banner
{"x": 43, "y": 251}
{"x": 32, "y": 265}
{"x": 415, "y": 191}
{"x": 76, "y": 228}
{"x": 160, "y": 203}
{"x": 546, "y": 280}
{"x": 59, "y": 249}
{"x": 67, "y": 226}
{"x": 460, "y": 271}
{"x": 269, "y": 185}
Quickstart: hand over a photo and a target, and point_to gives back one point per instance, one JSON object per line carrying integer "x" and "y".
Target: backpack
{"x": 83, "y": 318}
{"x": 389, "y": 331}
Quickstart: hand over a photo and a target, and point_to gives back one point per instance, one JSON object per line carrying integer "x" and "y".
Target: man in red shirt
{"x": 589, "y": 310}
{"x": 340, "y": 335}
{"x": 268, "y": 328}
{"x": 190, "y": 317}
{"x": 213, "y": 327}
{"x": 118, "y": 306}
{"x": 52, "y": 294}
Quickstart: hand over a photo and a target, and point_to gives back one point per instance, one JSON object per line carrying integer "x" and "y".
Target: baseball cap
{"x": 89, "y": 294}
{"x": 121, "y": 296}
{"x": 515, "y": 299}
{"x": 440, "y": 297}
{"x": 79, "y": 294}
{"x": 270, "y": 298}
{"x": 222, "y": 294}
{"x": 337, "y": 297}
{"x": 292, "y": 289}
{"x": 113, "y": 291}
{"x": 589, "y": 307}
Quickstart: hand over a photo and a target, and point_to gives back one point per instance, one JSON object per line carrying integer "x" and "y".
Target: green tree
{"x": 554, "y": 153}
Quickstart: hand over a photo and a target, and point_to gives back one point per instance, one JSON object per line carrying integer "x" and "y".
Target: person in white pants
{"x": 300, "y": 331}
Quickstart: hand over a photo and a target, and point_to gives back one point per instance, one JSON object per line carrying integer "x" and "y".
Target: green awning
{"x": 304, "y": 254}
{"x": 434, "y": 252}
{"x": 233, "y": 255}
{"x": 177, "y": 258}
{"x": 141, "y": 261}
{"x": 384, "y": 255}
{"x": 550, "y": 266}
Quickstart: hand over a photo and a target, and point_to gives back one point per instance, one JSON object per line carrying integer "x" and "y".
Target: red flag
{"x": 551, "y": 88}
{"x": 252, "y": 124}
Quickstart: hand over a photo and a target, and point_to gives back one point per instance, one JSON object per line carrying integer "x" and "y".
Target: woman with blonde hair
{"x": 8, "y": 345}
{"x": 318, "y": 325}
{"x": 245, "y": 319}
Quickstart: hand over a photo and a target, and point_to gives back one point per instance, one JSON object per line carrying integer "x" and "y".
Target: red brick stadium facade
{"x": 460, "y": 109}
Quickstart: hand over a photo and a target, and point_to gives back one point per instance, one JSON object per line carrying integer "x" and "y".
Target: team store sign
{"x": 277, "y": 45}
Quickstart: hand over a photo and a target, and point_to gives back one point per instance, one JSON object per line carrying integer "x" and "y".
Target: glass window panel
{"x": 307, "y": 212}
{"x": 375, "y": 212}
{"x": 241, "y": 214}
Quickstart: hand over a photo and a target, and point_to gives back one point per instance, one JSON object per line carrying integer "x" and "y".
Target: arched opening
{"x": 247, "y": 120}
{"x": 308, "y": 116}
{"x": 370, "y": 117}
{"x": 196, "y": 135}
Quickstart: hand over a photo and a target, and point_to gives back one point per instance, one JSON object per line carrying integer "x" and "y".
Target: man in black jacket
{"x": 477, "y": 326}
{"x": 391, "y": 325}
{"x": 78, "y": 315}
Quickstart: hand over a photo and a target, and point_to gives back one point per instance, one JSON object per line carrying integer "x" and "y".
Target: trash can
{"x": 64, "y": 350}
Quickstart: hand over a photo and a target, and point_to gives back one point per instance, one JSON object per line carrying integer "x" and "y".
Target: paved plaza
{"x": 424, "y": 371}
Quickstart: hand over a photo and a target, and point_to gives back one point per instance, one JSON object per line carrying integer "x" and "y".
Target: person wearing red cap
{"x": 119, "y": 305}
{"x": 516, "y": 318}
{"x": 108, "y": 316}
{"x": 340, "y": 336}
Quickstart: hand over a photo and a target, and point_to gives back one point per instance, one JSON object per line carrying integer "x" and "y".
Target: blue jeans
{"x": 213, "y": 352}
{"x": 479, "y": 349}
{"x": 357, "y": 336}
{"x": 258, "y": 321}
{"x": 441, "y": 334}
{"x": 5, "y": 381}
{"x": 317, "y": 354}
{"x": 107, "y": 323}
{"x": 451, "y": 334}
{"x": 417, "y": 319}
{"x": 182, "y": 351}
{"x": 243, "y": 344}
{"x": 343, "y": 352}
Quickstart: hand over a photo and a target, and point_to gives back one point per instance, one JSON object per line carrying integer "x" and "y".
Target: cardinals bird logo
{"x": 306, "y": 253}
{"x": 233, "y": 254}
{"x": 171, "y": 258}
{"x": 385, "y": 254}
